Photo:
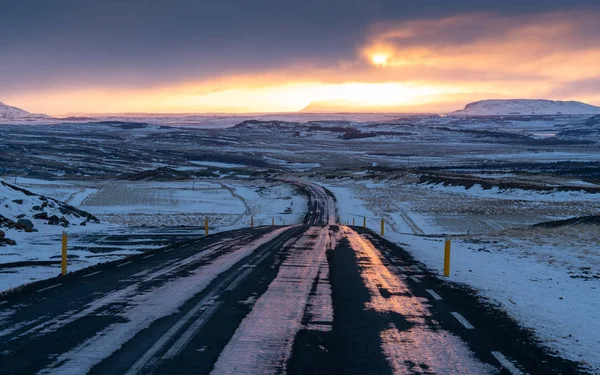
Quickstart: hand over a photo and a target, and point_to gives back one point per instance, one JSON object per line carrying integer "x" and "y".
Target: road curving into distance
{"x": 316, "y": 298}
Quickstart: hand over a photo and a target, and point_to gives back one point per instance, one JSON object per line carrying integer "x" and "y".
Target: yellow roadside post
{"x": 206, "y": 226}
{"x": 64, "y": 254}
{"x": 352, "y": 221}
{"x": 382, "y": 227}
{"x": 283, "y": 221}
{"x": 447, "y": 257}
{"x": 364, "y": 221}
{"x": 273, "y": 222}
{"x": 251, "y": 221}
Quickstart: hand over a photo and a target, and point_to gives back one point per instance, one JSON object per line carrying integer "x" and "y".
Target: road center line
{"x": 189, "y": 333}
{"x": 50, "y": 287}
{"x": 122, "y": 264}
{"x": 234, "y": 284}
{"x": 261, "y": 259}
{"x": 507, "y": 364}
{"x": 148, "y": 256}
{"x": 92, "y": 274}
{"x": 434, "y": 295}
{"x": 462, "y": 320}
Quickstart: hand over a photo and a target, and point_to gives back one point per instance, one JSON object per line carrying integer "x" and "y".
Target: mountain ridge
{"x": 8, "y": 112}
{"x": 500, "y": 107}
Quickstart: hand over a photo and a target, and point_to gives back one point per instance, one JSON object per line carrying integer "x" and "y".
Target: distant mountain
{"x": 8, "y": 112}
{"x": 496, "y": 107}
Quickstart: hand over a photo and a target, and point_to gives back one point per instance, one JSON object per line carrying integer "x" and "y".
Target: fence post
{"x": 64, "y": 254}
{"x": 447, "y": 256}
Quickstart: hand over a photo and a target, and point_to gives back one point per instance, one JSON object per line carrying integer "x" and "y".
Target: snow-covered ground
{"x": 138, "y": 210}
{"x": 547, "y": 279}
{"x": 526, "y": 107}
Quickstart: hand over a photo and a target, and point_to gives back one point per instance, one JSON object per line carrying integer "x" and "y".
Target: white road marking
{"x": 166, "y": 251}
{"x": 234, "y": 284}
{"x": 261, "y": 259}
{"x": 507, "y": 364}
{"x": 189, "y": 333}
{"x": 434, "y": 294}
{"x": 160, "y": 343}
{"x": 122, "y": 264}
{"x": 3, "y": 302}
{"x": 148, "y": 256}
{"x": 415, "y": 279}
{"x": 462, "y": 320}
{"x": 92, "y": 274}
{"x": 50, "y": 287}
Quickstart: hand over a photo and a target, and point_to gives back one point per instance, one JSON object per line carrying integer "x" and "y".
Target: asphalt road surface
{"x": 317, "y": 298}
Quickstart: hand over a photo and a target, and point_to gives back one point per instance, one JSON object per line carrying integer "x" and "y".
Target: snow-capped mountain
{"x": 497, "y": 107}
{"x": 8, "y": 112}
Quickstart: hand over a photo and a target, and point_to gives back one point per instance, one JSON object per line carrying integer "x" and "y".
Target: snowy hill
{"x": 498, "y": 107}
{"x": 22, "y": 210}
{"x": 8, "y": 112}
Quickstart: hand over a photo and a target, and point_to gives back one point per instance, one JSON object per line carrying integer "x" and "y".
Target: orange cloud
{"x": 549, "y": 47}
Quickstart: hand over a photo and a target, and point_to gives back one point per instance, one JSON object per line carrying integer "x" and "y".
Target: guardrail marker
{"x": 447, "y": 256}
{"x": 64, "y": 254}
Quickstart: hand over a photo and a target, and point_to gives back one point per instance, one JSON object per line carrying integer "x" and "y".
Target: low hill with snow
{"x": 9, "y": 113}
{"x": 526, "y": 107}
{"x": 22, "y": 210}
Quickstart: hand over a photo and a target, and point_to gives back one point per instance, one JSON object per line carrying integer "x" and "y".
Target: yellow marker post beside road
{"x": 273, "y": 222}
{"x": 382, "y": 227}
{"x": 64, "y": 254}
{"x": 447, "y": 257}
{"x": 206, "y": 226}
{"x": 352, "y": 221}
{"x": 251, "y": 221}
{"x": 364, "y": 221}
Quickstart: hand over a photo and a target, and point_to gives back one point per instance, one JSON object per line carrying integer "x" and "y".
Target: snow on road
{"x": 263, "y": 341}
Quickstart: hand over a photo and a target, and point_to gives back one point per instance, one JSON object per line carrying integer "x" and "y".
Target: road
{"x": 316, "y": 298}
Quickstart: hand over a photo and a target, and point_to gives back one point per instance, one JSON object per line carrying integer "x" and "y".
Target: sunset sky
{"x": 190, "y": 56}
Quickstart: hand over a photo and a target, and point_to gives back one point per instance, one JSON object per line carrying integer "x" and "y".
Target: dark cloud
{"x": 146, "y": 42}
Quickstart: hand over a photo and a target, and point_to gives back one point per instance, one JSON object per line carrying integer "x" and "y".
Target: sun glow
{"x": 380, "y": 59}
{"x": 196, "y": 98}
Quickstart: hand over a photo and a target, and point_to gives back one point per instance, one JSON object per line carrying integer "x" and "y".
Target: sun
{"x": 379, "y": 59}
